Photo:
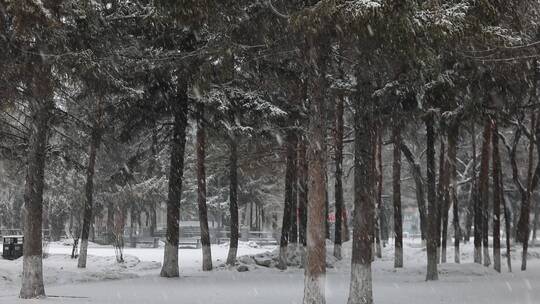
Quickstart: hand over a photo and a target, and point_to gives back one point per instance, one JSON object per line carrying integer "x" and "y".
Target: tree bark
{"x": 338, "y": 192}
{"x": 360, "y": 291}
{"x": 201, "y": 190}
{"x": 524, "y": 217}
{"x": 416, "y": 172}
{"x": 471, "y": 206}
{"x": 95, "y": 142}
{"x": 535, "y": 180}
{"x": 443, "y": 205}
{"x": 315, "y": 271}
{"x": 290, "y": 178}
{"x": 374, "y": 191}
{"x": 302, "y": 196}
{"x": 233, "y": 201}
{"x": 396, "y": 197}
{"x": 326, "y": 201}
{"x": 484, "y": 191}
{"x": 378, "y": 191}
{"x": 150, "y": 173}
{"x": 293, "y": 236}
{"x": 497, "y": 183}
{"x": 453, "y": 133}
{"x": 32, "y": 275}
{"x": 477, "y": 208}
{"x": 176, "y": 172}
{"x": 507, "y": 220}
{"x": 469, "y": 215}
{"x": 512, "y": 150}
{"x": 433, "y": 210}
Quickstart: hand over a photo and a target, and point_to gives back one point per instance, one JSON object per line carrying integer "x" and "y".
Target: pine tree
{"x": 338, "y": 175}
{"x": 477, "y": 206}
{"x": 453, "y": 133}
{"x": 32, "y": 275}
{"x": 483, "y": 181}
{"x": 95, "y": 142}
{"x": 433, "y": 210}
{"x": 179, "y": 106}
{"x": 302, "y": 195}
{"x": 360, "y": 290}
{"x": 315, "y": 272}
{"x": 497, "y": 192}
{"x": 201, "y": 190}
{"x": 290, "y": 199}
{"x": 396, "y": 196}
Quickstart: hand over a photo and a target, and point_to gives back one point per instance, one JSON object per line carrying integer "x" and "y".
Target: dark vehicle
{"x": 13, "y": 247}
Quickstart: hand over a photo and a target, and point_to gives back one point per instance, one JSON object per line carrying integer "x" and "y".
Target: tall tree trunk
{"x": 453, "y": 133}
{"x": 536, "y": 178}
{"x": 416, "y": 172}
{"x": 95, "y": 142}
{"x": 32, "y": 276}
{"x": 396, "y": 197}
{"x": 290, "y": 179}
{"x": 302, "y": 196}
{"x": 293, "y": 236}
{"x": 441, "y": 198}
{"x": 477, "y": 208}
{"x": 536, "y": 135}
{"x": 524, "y": 217}
{"x": 497, "y": 183}
{"x": 150, "y": 173}
{"x": 338, "y": 192}
{"x": 470, "y": 210}
{"x": 233, "y": 200}
{"x": 507, "y": 220}
{"x": 201, "y": 190}
{"x": 484, "y": 191}
{"x": 345, "y": 232}
{"x": 176, "y": 172}
{"x": 469, "y": 214}
{"x": 378, "y": 191}
{"x": 315, "y": 271}
{"x": 361, "y": 290}
{"x": 374, "y": 192}
{"x": 512, "y": 150}
{"x": 433, "y": 210}
{"x": 326, "y": 202}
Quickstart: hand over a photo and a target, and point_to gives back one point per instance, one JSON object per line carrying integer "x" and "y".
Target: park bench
{"x": 148, "y": 242}
{"x": 151, "y": 242}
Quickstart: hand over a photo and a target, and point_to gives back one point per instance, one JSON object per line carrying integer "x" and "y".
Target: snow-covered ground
{"x": 138, "y": 280}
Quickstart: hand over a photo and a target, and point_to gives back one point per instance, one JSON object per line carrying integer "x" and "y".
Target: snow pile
{"x": 60, "y": 269}
{"x": 270, "y": 259}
